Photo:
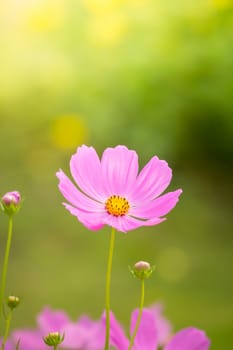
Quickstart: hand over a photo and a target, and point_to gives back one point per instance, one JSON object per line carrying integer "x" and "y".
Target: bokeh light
{"x": 69, "y": 131}
{"x": 107, "y": 29}
{"x": 173, "y": 264}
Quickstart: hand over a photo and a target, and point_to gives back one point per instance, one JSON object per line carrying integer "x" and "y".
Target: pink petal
{"x": 119, "y": 223}
{"x": 8, "y": 345}
{"x": 74, "y": 196}
{"x": 75, "y": 336}
{"x": 96, "y": 336}
{"x": 117, "y": 335}
{"x": 29, "y": 339}
{"x": 163, "y": 326}
{"x": 153, "y": 179}
{"x": 127, "y": 223}
{"x": 189, "y": 339}
{"x": 86, "y": 170}
{"x": 119, "y": 170}
{"x": 85, "y": 321}
{"x": 115, "y": 222}
{"x": 147, "y": 337}
{"x": 52, "y": 321}
{"x": 93, "y": 221}
{"x": 158, "y": 207}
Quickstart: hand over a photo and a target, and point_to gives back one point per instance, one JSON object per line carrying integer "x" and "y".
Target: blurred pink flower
{"x": 163, "y": 326}
{"x": 111, "y": 192}
{"x": 77, "y": 334}
{"x": 148, "y": 336}
{"x": 86, "y": 334}
{"x": 8, "y": 345}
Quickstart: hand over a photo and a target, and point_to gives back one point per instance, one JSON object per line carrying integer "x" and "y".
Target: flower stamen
{"x": 117, "y": 206}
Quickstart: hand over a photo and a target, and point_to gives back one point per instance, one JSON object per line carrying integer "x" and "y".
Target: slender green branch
{"x": 5, "y": 263}
{"x": 139, "y": 315}
{"x": 108, "y": 283}
{"x": 7, "y": 329}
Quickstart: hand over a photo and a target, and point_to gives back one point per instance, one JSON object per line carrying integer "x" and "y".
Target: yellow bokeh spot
{"x": 140, "y": 4}
{"x": 100, "y": 7}
{"x": 173, "y": 264}
{"x": 221, "y": 4}
{"x": 69, "y": 131}
{"x": 107, "y": 29}
{"x": 46, "y": 15}
{"x": 103, "y": 7}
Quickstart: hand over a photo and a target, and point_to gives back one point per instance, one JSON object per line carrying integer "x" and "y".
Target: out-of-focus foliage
{"x": 156, "y": 76}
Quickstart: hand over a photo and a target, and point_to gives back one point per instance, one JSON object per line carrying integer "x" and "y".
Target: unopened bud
{"x": 53, "y": 339}
{"x": 13, "y": 302}
{"x": 142, "y": 270}
{"x": 11, "y": 202}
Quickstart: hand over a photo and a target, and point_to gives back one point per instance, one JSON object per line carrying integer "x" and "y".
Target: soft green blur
{"x": 157, "y": 77}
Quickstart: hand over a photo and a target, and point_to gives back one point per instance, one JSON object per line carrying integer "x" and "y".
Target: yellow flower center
{"x": 117, "y": 206}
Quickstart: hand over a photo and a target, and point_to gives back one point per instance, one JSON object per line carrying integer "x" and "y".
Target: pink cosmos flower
{"x": 148, "y": 335}
{"x": 77, "y": 334}
{"x": 86, "y": 334}
{"x": 111, "y": 192}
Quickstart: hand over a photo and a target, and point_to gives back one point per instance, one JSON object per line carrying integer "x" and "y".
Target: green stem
{"x": 5, "y": 263}
{"x": 139, "y": 316}
{"x": 8, "y": 323}
{"x": 108, "y": 282}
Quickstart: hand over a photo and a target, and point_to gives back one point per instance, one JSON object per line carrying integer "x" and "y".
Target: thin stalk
{"x": 139, "y": 315}
{"x": 5, "y": 263}
{"x": 8, "y": 324}
{"x": 107, "y": 291}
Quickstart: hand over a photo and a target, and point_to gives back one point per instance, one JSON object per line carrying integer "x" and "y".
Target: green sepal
{"x": 142, "y": 274}
{"x": 54, "y": 339}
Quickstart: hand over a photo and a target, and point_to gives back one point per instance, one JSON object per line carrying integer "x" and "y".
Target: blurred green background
{"x": 157, "y": 77}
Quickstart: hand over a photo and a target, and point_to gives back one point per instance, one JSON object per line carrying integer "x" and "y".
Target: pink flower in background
{"x": 163, "y": 326}
{"x": 8, "y": 345}
{"x": 111, "y": 192}
{"x": 148, "y": 336}
{"x": 85, "y": 334}
{"x": 77, "y": 334}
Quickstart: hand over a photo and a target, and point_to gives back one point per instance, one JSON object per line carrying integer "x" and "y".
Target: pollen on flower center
{"x": 117, "y": 206}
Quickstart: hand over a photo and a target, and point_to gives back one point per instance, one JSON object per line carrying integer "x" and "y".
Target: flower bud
{"x": 142, "y": 270}
{"x": 53, "y": 339}
{"x": 11, "y": 202}
{"x": 13, "y": 302}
